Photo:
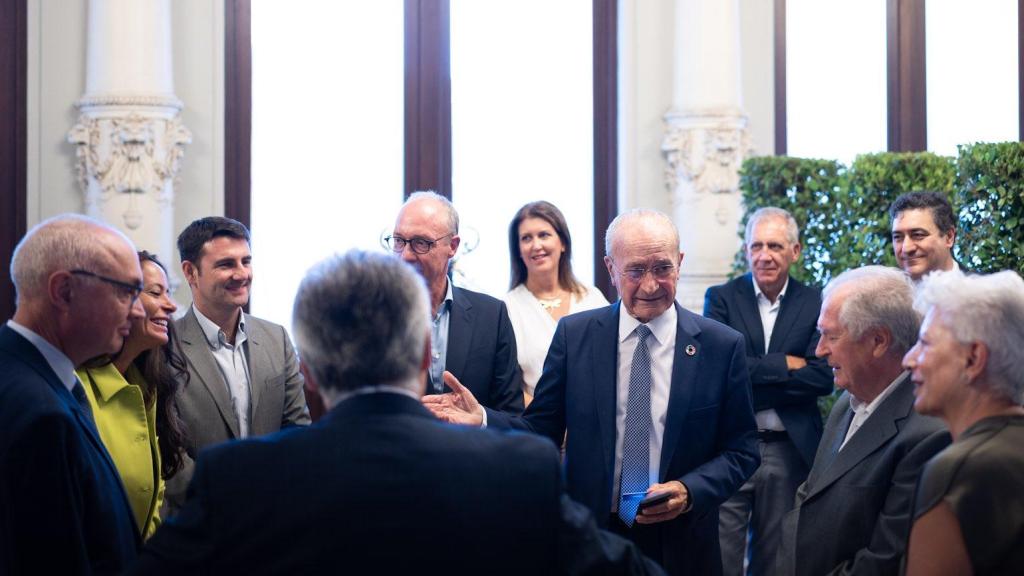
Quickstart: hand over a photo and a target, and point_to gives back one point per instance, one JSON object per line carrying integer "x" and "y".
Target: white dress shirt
{"x": 768, "y": 419}
{"x": 661, "y": 346}
{"x": 58, "y": 361}
{"x": 233, "y": 364}
{"x": 863, "y": 410}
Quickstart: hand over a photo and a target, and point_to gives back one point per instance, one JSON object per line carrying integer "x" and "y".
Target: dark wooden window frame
{"x": 905, "y": 68}
{"x": 13, "y": 142}
{"x": 428, "y": 160}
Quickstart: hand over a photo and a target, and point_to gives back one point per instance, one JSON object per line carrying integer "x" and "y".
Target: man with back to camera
{"x": 471, "y": 333}
{"x": 923, "y": 233}
{"x": 777, "y": 315}
{"x": 244, "y": 378}
{"x": 655, "y": 401}
{"x": 380, "y": 486}
{"x": 63, "y": 509}
{"x": 852, "y": 515}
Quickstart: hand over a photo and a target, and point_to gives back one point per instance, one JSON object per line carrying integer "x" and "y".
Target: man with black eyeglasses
{"x": 63, "y": 509}
{"x": 655, "y": 400}
{"x": 471, "y": 334}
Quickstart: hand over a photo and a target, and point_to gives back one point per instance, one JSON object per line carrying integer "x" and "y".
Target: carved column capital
{"x": 705, "y": 148}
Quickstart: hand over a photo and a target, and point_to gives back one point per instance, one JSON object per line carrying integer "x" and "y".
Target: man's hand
{"x": 457, "y": 407}
{"x": 668, "y": 510}
{"x": 794, "y": 362}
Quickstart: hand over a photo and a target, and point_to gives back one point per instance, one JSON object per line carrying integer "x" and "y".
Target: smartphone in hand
{"x": 653, "y": 499}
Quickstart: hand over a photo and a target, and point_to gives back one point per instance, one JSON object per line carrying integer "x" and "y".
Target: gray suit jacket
{"x": 852, "y": 515}
{"x": 277, "y": 399}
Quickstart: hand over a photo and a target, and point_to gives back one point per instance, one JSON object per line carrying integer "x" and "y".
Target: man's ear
{"x": 881, "y": 340}
{"x": 977, "y": 359}
{"x": 311, "y": 383}
{"x": 425, "y": 361}
{"x": 60, "y": 290}
{"x": 190, "y": 271}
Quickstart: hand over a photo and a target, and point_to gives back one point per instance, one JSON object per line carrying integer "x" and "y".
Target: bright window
{"x": 327, "y": 137}
{"x": 522, "y": 126}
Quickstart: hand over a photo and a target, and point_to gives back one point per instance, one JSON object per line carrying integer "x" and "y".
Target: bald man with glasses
{"x": 471, "y": 334}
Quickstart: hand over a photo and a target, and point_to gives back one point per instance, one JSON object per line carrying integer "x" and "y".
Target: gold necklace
{"x": 549, "y": 303}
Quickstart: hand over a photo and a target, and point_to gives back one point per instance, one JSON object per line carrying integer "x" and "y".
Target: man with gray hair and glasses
{"x": 379, "y": 486}
{"x": 852, "y": 515}
{"x": 471, "y": 334}
{"x": 63, "y": 509}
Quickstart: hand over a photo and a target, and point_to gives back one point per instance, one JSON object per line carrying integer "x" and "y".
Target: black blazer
{"x": 379, "y": 486}
{"x": 482, "y": 350}
{"x": 709, "y": 443}
{"x": 62, "y": 507}
{"x": 793, "y": 395}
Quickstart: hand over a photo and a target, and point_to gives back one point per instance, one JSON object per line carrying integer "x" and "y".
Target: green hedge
{"x": 990, "y": 194}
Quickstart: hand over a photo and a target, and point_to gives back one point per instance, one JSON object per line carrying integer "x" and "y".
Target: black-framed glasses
{"x": 125, "y": 288}
{"x": 659, "y": 272}
{"x": 418, "y": 245}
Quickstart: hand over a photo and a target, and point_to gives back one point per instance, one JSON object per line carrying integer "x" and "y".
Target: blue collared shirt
{"x": 58, "y": 361}
{"x": 439, "y": 342}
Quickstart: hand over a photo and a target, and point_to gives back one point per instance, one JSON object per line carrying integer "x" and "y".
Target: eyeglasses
{"x": 125, "y": 288}
{"x": 659, "y": 272}
{"x": 418, "y": 245}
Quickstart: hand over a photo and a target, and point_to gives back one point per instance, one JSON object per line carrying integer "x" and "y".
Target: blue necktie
{"x": 78, "y": 391}
{"x": 636, "y": 436}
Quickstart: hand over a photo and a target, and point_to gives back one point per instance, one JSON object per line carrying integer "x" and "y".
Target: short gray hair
{"x": 878, "y": 297}
{"x": 453, "y": 215}
{"x": 638, "y": 214}
{"x": 772, "y": 213}
{"x": 63, "y": 242}
{"x": 987, "y": 309}
{"x": 361, "y": 319}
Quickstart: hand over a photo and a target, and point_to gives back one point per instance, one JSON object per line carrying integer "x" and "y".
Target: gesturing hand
{"x": 458, "y": 406}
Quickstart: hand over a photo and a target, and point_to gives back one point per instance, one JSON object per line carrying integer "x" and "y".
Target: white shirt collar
{"x": 869, "y": 408}
{"x": 661, "y": 325}
{"x": 758, "y": 293}
{"x": 214, "y": 335}
{"x": 58, "y": 361}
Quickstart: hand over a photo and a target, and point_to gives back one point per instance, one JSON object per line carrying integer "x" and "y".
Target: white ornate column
{"x": 706, "y": 141}
{"x": 129, "y": 137}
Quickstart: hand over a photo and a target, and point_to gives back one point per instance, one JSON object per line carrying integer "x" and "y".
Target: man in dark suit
{"x": 62, "y": 506}
{"x": 923, "y": 233}
{"x": 777, "y": 316}
{"x": 379, "y": 486}
{"x": 471, "y": 334}
{"x": 244, "y": 378}
{"x": 852, "y": 515}
{"x": 655, "y": 399}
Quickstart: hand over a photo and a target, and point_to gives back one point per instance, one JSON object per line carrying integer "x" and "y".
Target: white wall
{"x": 56, "y": 80}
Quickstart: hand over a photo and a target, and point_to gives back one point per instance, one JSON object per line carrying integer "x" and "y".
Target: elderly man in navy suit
{"x": 652, "y": 400}
{"x": 379, "y": 486}
{"x": 776, "y": 315}
{"x": 471, "y": 334}
{"x": 62, "y": 507}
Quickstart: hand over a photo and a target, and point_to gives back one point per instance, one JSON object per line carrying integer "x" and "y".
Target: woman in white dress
{"x": 543, "y": 287}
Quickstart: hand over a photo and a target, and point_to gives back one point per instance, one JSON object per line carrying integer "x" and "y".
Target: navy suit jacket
{"x": 62, "y": 507}
{"x": 710, "y": 438}
{"x": 482, "y": 350}
{"x": 793, "y": 395}
{"x": 347, "y": 495}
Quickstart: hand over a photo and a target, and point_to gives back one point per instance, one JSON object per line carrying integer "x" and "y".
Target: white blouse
{"x": 534, "y": 327}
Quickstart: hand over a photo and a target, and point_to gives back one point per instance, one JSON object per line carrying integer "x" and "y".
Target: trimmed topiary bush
{"x": 990, "y": 194}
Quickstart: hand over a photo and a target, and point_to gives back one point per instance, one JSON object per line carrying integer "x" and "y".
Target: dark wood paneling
{"x": 1020, "y": 69}
{"x": 13, "y": 151}
{"x": 428, "y": 97}
{"x": 606, "y": 132}
{"x": 908, "y": 114}
{"x": 780, "y": 78}
{"x": 238, "y": 110}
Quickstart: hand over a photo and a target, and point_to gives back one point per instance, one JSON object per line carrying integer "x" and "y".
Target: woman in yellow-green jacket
{"x": 132, "y": 398}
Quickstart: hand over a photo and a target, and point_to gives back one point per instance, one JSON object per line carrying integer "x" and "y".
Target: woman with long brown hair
{"x": 132, "y": 398}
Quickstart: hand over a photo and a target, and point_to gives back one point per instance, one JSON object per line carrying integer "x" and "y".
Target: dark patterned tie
{"x": 637, "y": 431}
{"x": 83, "y": 402}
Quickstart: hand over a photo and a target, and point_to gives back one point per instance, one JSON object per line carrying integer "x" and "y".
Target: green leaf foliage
{"x": 990, "y": 194}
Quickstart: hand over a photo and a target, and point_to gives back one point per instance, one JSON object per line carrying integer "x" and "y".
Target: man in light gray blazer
{"x": 244, "y": 379}
{"x": 852, "y": 515}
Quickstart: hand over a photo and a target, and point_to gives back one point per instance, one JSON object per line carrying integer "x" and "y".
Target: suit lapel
{"x": 877, "y": 430}
{"x": 460, "y": 333}
{"x": 197, "y": 352}
{"x": 684, "y": 372}
{"x": 789, "y": 311}
{"x": 604, "y": 358}
{"x": 257, "y": 356}
{"x": 750, "y": 315}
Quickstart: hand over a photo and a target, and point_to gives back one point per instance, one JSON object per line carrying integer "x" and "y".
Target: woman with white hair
{"x": 969, "y": 509}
